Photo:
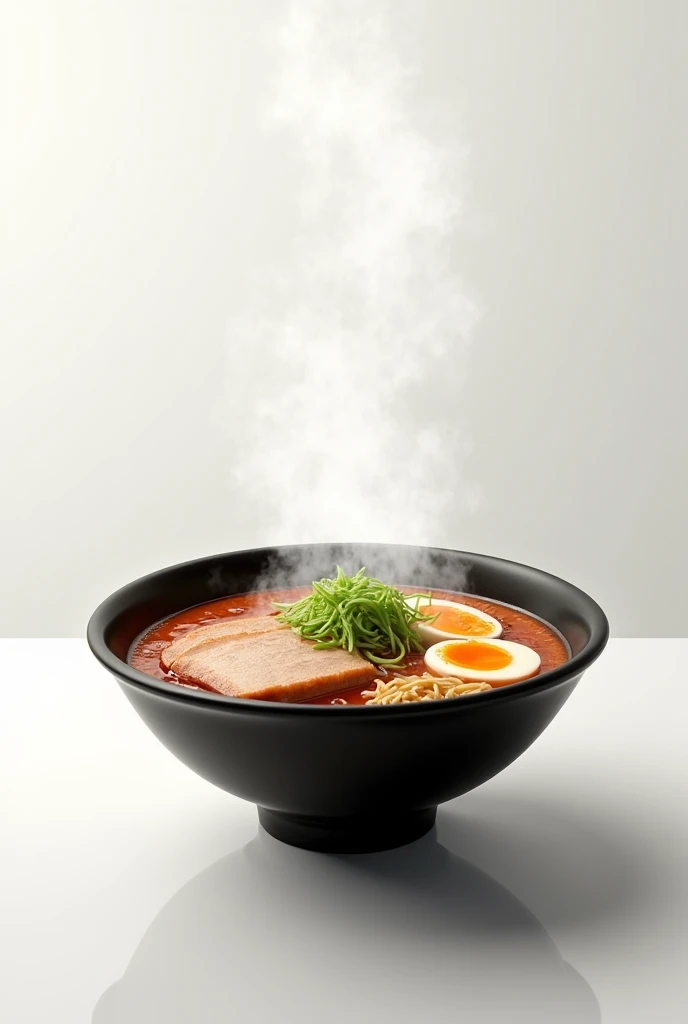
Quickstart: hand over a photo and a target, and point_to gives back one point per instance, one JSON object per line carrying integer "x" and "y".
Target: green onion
{"x": 358, "y": 613}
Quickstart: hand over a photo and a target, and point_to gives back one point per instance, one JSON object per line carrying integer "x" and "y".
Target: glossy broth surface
{"x": 517, "y": 626}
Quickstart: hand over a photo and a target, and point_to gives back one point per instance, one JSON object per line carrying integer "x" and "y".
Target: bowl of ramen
{"x": 348, "y": 690}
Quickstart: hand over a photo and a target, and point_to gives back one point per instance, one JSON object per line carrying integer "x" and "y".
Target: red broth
{"x": 516, "y": 625}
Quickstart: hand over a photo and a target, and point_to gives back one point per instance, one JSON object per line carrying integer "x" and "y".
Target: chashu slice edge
{"x": 217, "y": 631}
{"x": 274, "y": 665}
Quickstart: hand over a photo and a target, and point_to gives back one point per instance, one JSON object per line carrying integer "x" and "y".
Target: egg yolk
{"x": 476, "y": 655}
{"x": 453, "y": 620}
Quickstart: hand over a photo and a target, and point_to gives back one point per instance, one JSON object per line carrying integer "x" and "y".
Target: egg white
{"x": 525, "y": 663}
{"x": 429, "y": 633}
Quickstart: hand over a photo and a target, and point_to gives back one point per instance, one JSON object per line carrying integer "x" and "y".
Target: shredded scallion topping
{"x": 358, "y": 613}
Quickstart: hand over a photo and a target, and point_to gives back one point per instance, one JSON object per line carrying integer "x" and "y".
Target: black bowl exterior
{"x": 347, "y": 779}
{"x": 346, "y": 785}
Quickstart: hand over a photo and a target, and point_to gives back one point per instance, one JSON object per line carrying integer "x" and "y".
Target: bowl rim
{"x": 124, "y": 672}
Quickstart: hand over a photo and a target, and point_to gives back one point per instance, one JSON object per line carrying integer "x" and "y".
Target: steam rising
{"x": 349, "y": 368}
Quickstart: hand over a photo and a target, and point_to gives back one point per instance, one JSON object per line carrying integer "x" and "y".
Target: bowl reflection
{"x": 274, "y": 933}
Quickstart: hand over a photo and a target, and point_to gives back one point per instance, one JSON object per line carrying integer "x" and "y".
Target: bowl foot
{"x": 356, "y": 834}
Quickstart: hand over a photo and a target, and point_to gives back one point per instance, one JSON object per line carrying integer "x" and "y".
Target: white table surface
{"x": 133, "y": 891}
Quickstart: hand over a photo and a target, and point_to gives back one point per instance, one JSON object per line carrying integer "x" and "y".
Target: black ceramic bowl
{"x": 347, "y": 779}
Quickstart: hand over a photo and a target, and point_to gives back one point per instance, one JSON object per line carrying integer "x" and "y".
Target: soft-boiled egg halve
{"x": 452, "y": 620}
{"x": 493, "y": 661}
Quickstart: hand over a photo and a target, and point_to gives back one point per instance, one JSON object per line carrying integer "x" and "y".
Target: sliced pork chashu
{"x": 218, "y": 631}
{"x": 270, "y": 665}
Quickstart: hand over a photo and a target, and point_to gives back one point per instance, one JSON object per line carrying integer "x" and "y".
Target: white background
{"x": 141, "y": 191}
